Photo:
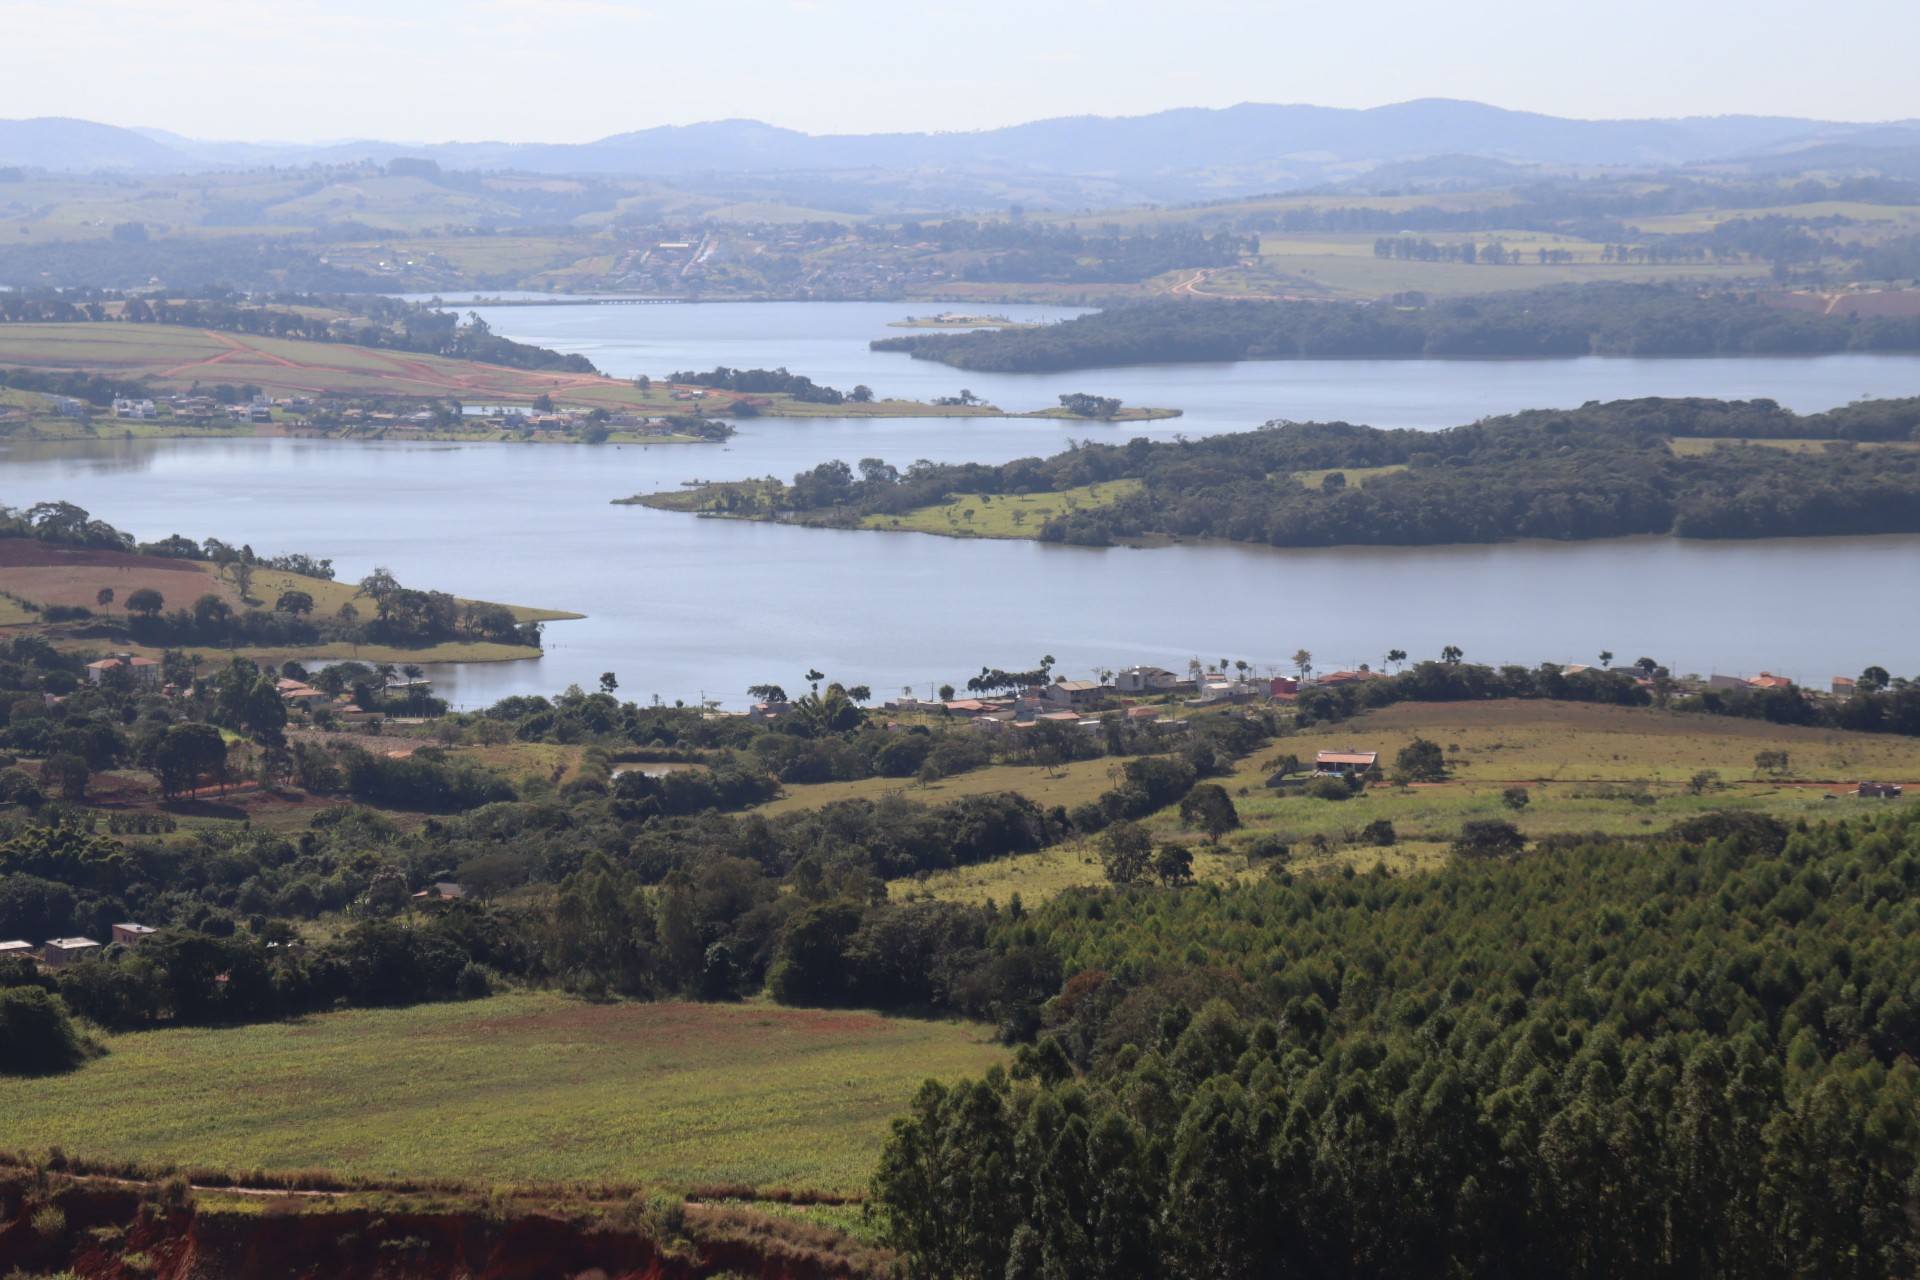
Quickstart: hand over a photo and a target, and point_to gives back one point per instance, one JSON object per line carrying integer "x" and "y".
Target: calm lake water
{"x": 687, "y": 608}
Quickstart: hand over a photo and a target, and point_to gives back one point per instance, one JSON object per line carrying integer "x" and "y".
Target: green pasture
{"x": 520, "y": 1087}
{"x": 986, "y": 515}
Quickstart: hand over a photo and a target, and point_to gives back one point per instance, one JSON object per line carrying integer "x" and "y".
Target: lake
{"x": 688, "y": 608}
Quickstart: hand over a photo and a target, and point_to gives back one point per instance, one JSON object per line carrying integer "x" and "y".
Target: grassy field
{"x": 987, "y": 515}
{"x": 1357, "y": 477}
{"x": 1617, "y": 770}
{"x": 1697, "y": 446}
{"x": 1068, "y": 785}
{"x": 517, "y": 1087}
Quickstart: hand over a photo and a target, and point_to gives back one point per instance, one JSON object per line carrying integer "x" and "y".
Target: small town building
{"x": 142, "y": 410}
{"x": 1844, "y": 686}
{"x": 1075, "y": 693}
{"x": 145, "y": 671}
{"x": 1767, "y": 680}
{"x": 1145, "y": 679}
{"x": 440, "y": 891}
{"x": 16, "y": 949}
{"x": 132, "y": 935}
{"x": 1880, "y": 790}
{"x": 59, "y": 952}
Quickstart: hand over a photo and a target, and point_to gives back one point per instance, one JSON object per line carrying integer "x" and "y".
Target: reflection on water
{"x": 687, "y": 608}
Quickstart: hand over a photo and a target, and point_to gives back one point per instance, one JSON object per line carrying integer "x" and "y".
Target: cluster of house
{"x": 194, "y": 408}
{"x": 303, "y": 698}
{"x": 57, "y": 953}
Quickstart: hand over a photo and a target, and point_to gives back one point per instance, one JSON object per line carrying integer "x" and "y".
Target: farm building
{"x": 1075, "y": 693}
{"x": 16, "y": 949}
{"x": 1844, "y": 686}
{"x": 1348, "y": 761}
{"x": 132, "y": 935}
{"x": 1880, "y": 790}
{"x": 60, "y": 952}
{"x": 440, "y": 891}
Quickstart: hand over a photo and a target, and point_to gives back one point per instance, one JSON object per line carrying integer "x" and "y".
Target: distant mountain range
{"x": 1195, "y": 151}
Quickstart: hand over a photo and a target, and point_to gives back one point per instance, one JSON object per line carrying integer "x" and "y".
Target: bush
{"x": 1329, "y": 788}
{"x": 1380, "y": 831}
{"x": 36, "y": 1035}
{"x": 1488, "y": 838}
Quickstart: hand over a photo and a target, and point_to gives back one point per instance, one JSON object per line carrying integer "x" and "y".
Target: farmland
{"x": 1585, "y": 768}
{"x": 517, "y": 1087}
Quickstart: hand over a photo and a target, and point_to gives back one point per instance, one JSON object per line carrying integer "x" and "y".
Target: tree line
{"x": 1563, "y": 321}
{"x": 1599, "y": 471}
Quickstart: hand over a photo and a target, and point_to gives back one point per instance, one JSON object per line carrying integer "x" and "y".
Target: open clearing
{"x": 1001, "y": 515}
{"x": 1586, "y": 768}
{"x": 517, "y": 1087}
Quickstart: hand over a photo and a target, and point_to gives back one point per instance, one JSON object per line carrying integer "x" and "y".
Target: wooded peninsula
{"x": 1692, "y": 468}
{"x": 1574, "y": 320}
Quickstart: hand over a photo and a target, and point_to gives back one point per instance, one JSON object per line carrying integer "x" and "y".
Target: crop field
{"x": 176, "y": 356}
{"x": 516, "y": 1087}
{"x": 988, "y": 515}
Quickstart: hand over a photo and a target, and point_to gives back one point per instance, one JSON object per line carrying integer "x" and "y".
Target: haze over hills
{"x": 1190, "y": 152}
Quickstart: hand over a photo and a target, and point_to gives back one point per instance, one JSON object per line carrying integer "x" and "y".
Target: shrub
{"x": 1329, "y": 788}
{"x": 1378, "y": 832}
{"x": 36, "y": 1035}
{"x": 49, "y": 1222}
{"x": 1488, "y": 838}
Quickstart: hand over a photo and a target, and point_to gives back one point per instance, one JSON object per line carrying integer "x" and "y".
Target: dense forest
{"x": 1571, "y": 320}
{"x": 1685, "y": 1056}
{"x": 1599, "y": 471}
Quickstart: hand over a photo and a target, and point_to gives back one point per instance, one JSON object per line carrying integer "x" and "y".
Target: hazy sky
{"x": 573, "y": 70}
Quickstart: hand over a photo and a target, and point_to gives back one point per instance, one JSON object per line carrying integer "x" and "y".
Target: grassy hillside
{"x": 514, "y": 1087}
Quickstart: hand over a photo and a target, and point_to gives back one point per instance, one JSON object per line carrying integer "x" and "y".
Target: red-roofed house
{"x": 1843, "y": 686}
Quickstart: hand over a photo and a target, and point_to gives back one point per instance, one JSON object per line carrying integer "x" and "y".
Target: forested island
{"x": 1574, "y": 320}
{"x": 1692, "y": 468}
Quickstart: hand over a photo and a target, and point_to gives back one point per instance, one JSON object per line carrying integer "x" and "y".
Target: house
{"x": 352, "y": 713}
{"x": 440, "y": 891}
{"x": 1727, "y": 682}
{"x": 1145, "y": 680}
{"x": 761, "y": 712}
{"x": 143, "y": 410}
{"x": 16, "y": 950}
{"x": 1766, "y": 680}
{"x": 968, "y": 707}
{"x": 1880, "y": 790}
{"x": 1346, "y": 677}
{"x": 1282, "y": 684}
{"x": 60, "y": 952}
{"x": 66, "y": 407}
{"x": 1075, "y": 693}
{"x": 145, "y": 671}
{"x": 132, "y": 935}
{"x": 1348, "y": 761}
{"x": 1844, "y": 686}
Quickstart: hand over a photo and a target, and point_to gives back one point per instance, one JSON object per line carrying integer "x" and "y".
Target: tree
{"x": 609, "y": 682}
{"x": 946, "y": 693}
{"x": 243, "y": 577}
{"x": 814, "y": 676}
{"x": 1606, "y": 657}
{"x": 1775, "y": 763}
{"x": 1488, "y": 838}
{"x": 1396, "y": 657}
{"x": 1516, "y": 798}
{"x": 186, "y": 754}
{"x": 1303, "y": 662}
{"x": 36, "y": 1035}
{"x": 1082, "y": 405}
{"x": 1647, "y": 667}
{"x": 294, "y": 602}
{"x": 1126, "y": 850}
{"x": 1209, "y": 807}
{"x": 1421, "y": 760}
{"x": 1452, "y": 654}
{"x": 104, "y": 598}
{"x": 146, "y": 602}
{"x": 1873, "y": 680}
{"x": 861, "y": 394}
{"x": 770, "y": 693}
{"x": 1173, "y": 865}
{"x": 68, "y": 772}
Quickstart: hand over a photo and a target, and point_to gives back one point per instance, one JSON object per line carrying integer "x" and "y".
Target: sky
{"x": 576, "y": 70}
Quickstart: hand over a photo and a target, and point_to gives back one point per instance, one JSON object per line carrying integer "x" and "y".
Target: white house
{"x": 1145, "y": 680}
{"x": 145, "y": 671}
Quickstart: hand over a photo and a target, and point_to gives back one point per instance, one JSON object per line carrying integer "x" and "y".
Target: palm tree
{"x": 413, "y": 673}
{"x": 1303, "y": 662}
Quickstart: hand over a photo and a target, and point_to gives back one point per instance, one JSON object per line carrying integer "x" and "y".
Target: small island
{"x": 957, "y": 320}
